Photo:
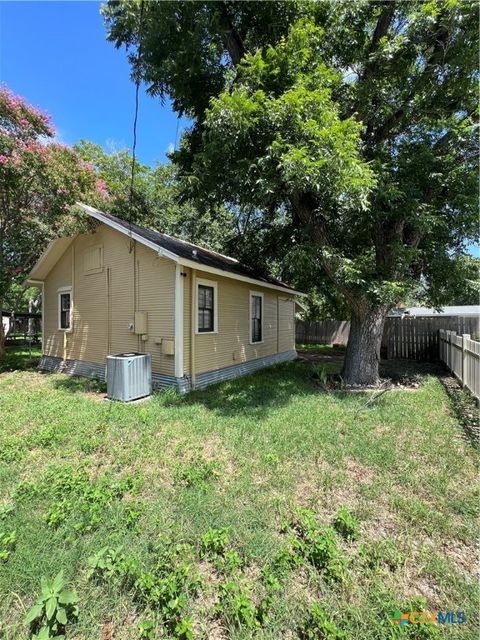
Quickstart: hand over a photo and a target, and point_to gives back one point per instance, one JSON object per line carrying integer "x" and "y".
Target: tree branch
{"x": 439, "y": 38}
{"x": 232, "y": 39}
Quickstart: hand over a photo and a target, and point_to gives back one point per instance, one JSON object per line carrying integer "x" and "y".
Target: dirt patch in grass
{"x": 336, "y": 357}
{"x": 358, "y": 472}
{"x": 107, "y": 631}
{"x": 206, "y": 625}
{"x": 463, "y": 556}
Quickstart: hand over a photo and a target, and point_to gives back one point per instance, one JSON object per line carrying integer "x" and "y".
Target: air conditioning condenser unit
{"x": 129, "y": 376}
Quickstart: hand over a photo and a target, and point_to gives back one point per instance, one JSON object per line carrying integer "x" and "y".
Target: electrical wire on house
{"x": 135, "y": 121}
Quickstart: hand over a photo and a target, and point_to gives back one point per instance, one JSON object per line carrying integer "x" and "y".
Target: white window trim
{"x": 61, "y": 290}
{"x": 214, "y": 285}
{"x": 260, "y": 295}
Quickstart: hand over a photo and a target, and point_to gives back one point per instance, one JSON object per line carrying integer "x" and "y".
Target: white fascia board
{"x": 39, "y": 263}
{"x": 29, "y": 282}
{"x": 235, "y": 276}
{"x": 131, "y": 234}
{"x": 59, "y": 245}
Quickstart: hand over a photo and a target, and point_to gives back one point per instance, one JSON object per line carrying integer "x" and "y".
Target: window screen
{"x": 256, "y": 325}
{"x": 64, "y": 311}
{"x": 205, "y": 308}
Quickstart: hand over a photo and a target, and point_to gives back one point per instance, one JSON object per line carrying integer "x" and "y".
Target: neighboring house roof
{"x": 181, "y": 251}
{"x": 462, "y": 310}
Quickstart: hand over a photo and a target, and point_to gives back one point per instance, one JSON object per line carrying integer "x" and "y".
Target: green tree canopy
{"x": 156, "y": 199}
{"x": 350, "y": 125}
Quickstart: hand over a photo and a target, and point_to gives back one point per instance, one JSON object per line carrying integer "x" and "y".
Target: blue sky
{"x": 55, "y": 54}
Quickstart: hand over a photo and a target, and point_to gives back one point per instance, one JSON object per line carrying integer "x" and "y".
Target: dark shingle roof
{"x": 190, "y": 251}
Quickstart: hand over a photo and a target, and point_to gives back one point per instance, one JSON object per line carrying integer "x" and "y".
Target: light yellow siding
{"x": 105, "y": 299}
{"x": 286, "y": 324}
{"x": 59, "y": 276}
{"x": 156, "y": 296}
{"x": 112, "y": 279}
{"x": 230, "y": 345}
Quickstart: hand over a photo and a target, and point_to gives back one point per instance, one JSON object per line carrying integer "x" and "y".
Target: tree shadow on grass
{"x": 77, "y": 384}
{"x": 257, "y": 394}
{"x": 19, "y": 359}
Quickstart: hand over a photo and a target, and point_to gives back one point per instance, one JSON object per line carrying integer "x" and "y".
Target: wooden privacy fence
{"x": 412, "y": 337}
{"x": 322, "y": 332}
{"x": 461, "y": 354}
{"x": 417, "y": 337}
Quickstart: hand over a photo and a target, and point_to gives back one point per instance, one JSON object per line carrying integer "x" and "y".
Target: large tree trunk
{"x": 363, "y": 349}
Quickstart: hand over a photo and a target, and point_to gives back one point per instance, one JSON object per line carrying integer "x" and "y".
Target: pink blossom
{"x": 101, "y": 187}
{"x": 3, "y": 159}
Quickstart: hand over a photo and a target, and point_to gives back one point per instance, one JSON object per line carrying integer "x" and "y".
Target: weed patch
{"x": 7, "y": 544}
{"x": 317, "y": 545}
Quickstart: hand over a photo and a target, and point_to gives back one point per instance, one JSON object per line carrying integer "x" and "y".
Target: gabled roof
{"x": 181, "y": 251}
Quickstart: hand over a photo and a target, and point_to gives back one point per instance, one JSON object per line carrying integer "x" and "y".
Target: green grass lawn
{"x": 259, "y": 508}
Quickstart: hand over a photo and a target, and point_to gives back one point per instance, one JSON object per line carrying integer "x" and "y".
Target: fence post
{"x": 465, "y": 337}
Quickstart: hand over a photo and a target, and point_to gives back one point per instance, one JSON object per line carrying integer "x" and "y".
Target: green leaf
{"x": 58, "y": 582}
{"x": 46, "y": 589}
{"x": 68, "y": 596}
{"x": 44, "y": 634}
{"x": 34, "y": 613}
{"x": 61, "y": 616}
{"x": 50, "y": 607}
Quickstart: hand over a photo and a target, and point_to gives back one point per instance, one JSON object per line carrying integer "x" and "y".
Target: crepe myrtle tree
{"x": 39, "y": 180}
{"x": 351, "y": 123}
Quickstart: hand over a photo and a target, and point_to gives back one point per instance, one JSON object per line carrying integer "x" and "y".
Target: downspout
{"x": 109, "y": 313}
{"x": 178, "y": 329}
{"x": 192, "y": 328}
{"x": 43, "y": 317}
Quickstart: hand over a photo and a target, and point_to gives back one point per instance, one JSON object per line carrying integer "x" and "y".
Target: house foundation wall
{"x": 159, "y": 381}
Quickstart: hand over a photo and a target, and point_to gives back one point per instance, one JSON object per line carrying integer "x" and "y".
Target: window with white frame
{"x": 206, "y": 306}
{"x": 64, "y": 309}
{"x": 256, "y": 317}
